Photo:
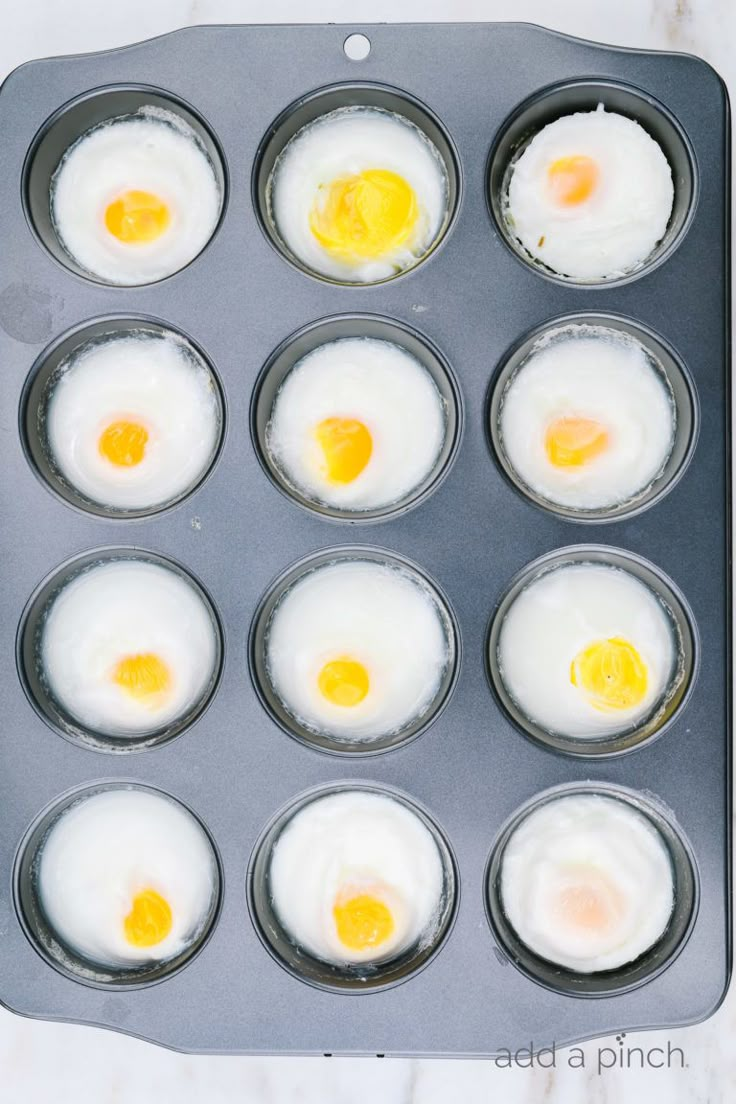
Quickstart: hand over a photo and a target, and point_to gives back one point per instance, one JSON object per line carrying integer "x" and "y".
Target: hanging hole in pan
{"x": 357, "y": 47}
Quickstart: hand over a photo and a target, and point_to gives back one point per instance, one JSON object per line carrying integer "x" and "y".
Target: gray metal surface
{"x": 473, "y": 299}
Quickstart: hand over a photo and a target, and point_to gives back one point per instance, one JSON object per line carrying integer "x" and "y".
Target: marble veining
{"x": 42, "y": 1061}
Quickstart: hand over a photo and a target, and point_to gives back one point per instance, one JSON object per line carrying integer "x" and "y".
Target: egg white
{"x": 616, "y": 229}
{"x": 159, "y": 382}
{"x": 349, "y": 141}
{"x": 562, "y": 612}
{"x": 345, "y": 841}
{"x": 152, "y": 150}
{"x": 381, "y": 616}
{"x": 106, "y": 848}
{"x": 118, "y": 609}
{"x": 598, "y": 373}
{"x": 381, "y": 385}
{"x": 575, "y": 833}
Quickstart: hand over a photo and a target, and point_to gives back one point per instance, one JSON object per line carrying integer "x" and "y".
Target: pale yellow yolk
{"x": 572, "y": 180}
{"x": 572, "y": 442}
{"x": 364, "y": 216}
{"x": 590, "y": 903}
{"x": 145, "y": 677}
{"x": 611, "y": 673}
{"x": 362, "y": 920}
{"x": 343, "y": 682}
{"x": 124, "y": 443}
{"x": 149, "y": 920}
{"x": 137, "y": 217}
{"x": 347, "y": 446}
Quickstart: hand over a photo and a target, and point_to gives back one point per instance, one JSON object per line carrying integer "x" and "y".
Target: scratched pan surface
{"x": 473, "y": 299}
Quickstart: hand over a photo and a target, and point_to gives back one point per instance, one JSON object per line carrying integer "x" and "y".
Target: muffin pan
{"x": 468, "y": 307}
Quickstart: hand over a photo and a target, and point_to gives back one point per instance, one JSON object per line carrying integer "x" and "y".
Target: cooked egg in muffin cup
{"x": 359, "y": 194}
{"x": 125, "y": 648}
{"x": 130, "y": 420}
{"x": 591, "y": 652}
{"x": 124, "y": 883}
{"x": 590, "y": 196}
{"x": 588, "y": 419}
{"x": 358, "y": 651}
{"x": 136, "y": 197}
{"x": 358, "y": 424}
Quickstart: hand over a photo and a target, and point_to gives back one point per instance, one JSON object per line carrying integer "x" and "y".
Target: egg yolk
{"x": 572, "y": 180}
{"x": 347, "y": 446}
{"x": 365, "y": 215}
{"x": 137, "y": 217}
{"x": 149, "y": 920}
{"x": 145, "y": 677}
{"x": 589, "y": 902}
{"x": 124, "y": 443}
{"x": 343, "y": 681}
{"x": 611, "y": 673}
{"x": 572, "y": 442}
{"x": 362, "y": 920}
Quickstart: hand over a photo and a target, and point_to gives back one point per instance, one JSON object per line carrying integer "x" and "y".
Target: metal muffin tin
{"x": 470, "y": 304}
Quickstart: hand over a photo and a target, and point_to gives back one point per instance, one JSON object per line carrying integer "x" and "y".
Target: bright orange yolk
{"x": 145, "y": 677}
{"x": 343, "y": 682}
{"x": 149, "y": 920}
{"x": 362, "y": 920}
{"x": 572, "y": 180}
{"x": 137, "y": 217}
{"x": 590, "y": 903}
{"x": 365, "y": 215}
{"x": 347, "y": 446}
{"x": 124, "y": 443}
{"x": 572, "y": 442}
{"x": 611, "y": 674}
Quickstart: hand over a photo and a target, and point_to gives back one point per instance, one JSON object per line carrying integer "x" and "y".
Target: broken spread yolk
{"x": 364, "y": 216}
{"x": 145, "y": 677}
{"x": 137, "y": 217}
{"x": 347, "y": 446}
{"x": 572, "y": 442}
{"x": 343, "y": 681}
{"x": 124, "y": 443}
{"x": 611, "y": 673}
{"x": 572, "y": 180}
{"x": 589, "y": 902}
{"x": 149, "y": 920}
{"x": 362, "y": 920}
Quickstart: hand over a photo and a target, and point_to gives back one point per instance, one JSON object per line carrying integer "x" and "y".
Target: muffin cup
{"x": 38, "y": 930}
{"x": 37, "y": 392}
{"x": 685, "y": 637}
{"x": 549, "y": 104}
{"x": 667, "y": 364}
{"x": 36, "y": 685}
{"x": 351, "y": 978}
{"x": 313, "y": 737}
{"x": 74, "y": 119}
{"x": 340, "y": 327}
{"x": 311, "y": 107}
{"x": 652, "y": 961}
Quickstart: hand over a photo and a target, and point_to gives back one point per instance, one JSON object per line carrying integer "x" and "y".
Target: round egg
{"x": 127, "y": 877}
{"x": 357, "y": 649}
{"x": 359, "y": 194}
{"x": 128, "y": 647}
{"x": 132, "y": 421}
{"x": 356, "y": 877}
{"x": 135, "y": 198}
{"x": 358, "y": 424}
{"x": 588, "y": 420}
{"x": 587, "y": 882}
{"x": 590, "y": 196}
{"x": 587, "y": 650}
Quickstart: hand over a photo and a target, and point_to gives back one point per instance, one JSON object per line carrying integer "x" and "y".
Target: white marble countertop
{"x": 41, "y": 1062}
